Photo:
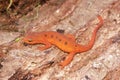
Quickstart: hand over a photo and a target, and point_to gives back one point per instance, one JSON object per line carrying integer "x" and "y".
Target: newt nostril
{"x": 25, "y": 44}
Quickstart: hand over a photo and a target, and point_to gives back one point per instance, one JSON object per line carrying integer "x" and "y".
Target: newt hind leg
{"x": 67, "y": 60}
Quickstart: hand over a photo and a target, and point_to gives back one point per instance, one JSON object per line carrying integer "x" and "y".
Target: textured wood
{"x": 100, "y": 63}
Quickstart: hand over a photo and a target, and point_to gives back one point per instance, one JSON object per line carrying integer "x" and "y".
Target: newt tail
{"x": 66, "y": 43}
{"x": 90, "y": 44}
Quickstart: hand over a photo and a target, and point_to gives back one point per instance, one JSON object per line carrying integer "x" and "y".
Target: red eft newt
{"x": 63, "y": 42}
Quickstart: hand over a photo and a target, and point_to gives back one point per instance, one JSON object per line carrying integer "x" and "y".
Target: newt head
{"x": 31, "y": 38}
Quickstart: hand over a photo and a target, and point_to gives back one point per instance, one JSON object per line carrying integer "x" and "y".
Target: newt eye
{"x": 29, "y": 40}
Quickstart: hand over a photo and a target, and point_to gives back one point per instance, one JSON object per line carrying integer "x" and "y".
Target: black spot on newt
{"x": 66, "y": 43}
{"x": 60, "y": 40}
{"x": 56, "y": 37}
{"x": 75, "y": 45}
{"x": 45, "y": 35}
{"x": 51, "y": 36}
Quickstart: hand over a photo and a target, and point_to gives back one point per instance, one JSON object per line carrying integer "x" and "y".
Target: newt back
{"x": 61, "y": 41}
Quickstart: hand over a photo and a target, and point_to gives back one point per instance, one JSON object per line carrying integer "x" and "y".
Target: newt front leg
{"x": 46, "y": 46}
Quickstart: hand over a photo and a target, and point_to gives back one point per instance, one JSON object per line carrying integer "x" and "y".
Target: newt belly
{"x": 66, "y": 43}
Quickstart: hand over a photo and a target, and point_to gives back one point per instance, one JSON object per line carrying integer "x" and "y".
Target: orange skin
{"x": 64, "y": 42}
